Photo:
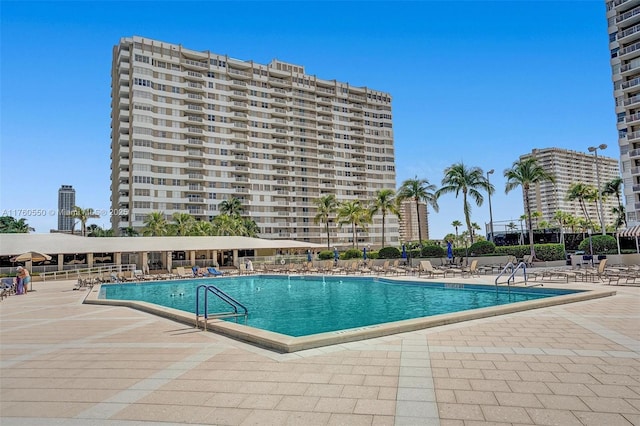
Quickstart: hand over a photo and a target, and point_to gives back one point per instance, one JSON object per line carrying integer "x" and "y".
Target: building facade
{"x": 623, "y": 18}
{"x": 568, "y": 167}
{"x": 191, "y": 129}
{"x": 409, "y": 221}
{"x": 66, "y": 202}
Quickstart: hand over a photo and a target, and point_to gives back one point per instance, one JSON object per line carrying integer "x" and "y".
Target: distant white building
{"x": 570, "y": 167}
{"x": 409, "y": 221}
{"x": 193, "y": 128}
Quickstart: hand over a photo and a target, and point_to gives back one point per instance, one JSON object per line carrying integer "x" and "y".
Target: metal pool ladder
{"x": 514, "y": 269}
{"x": 235, "y": 305}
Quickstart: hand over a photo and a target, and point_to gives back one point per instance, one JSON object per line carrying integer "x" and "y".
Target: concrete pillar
{"x": 168, "y": 262}
{"x": 117, "y": 259}
{"x": 144, "y": 260}
{"x": 214, "y": 256}
{"x": 89, "y": 260}
{"x": 192, "y": 257}
{"x": 235, "y": 257}
{"x": 60, "y": 262}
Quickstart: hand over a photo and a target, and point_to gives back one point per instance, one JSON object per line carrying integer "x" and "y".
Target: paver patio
{"x": 63, "y": 362}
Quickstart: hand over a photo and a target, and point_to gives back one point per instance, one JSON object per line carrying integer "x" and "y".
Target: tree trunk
{"x": 419, "y": 227}
{"x": 526, "y": 198}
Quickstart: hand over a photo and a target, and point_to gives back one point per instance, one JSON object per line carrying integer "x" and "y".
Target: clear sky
{"x": 481, "y": 82}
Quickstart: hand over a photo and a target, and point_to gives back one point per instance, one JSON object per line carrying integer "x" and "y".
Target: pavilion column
{"x": 117, "y": 260}
{"x": 214, "y": 256}
{"x": 192, "y": 257}
{"x": 235, "y": 258}
{"x": 89, "y": 260}
{"x": 144, "y": 260}
{"x": 168, "y": 263}
{"x": 60, "y": 262}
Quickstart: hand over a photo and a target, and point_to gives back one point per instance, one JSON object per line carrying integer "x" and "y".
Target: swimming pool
{"x": 308, "y": 305}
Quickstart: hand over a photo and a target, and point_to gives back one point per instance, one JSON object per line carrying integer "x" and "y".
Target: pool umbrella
{"x": 336, "y": 256}
{"x": 404, "y": 251}
{"x": 30, "y": 257}
{"x": 308, "y": 255}
{"x": 449, "y": 251}
{"x": 364, "y": 253}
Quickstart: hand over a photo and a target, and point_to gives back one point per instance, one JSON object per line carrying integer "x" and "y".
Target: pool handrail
{"x": 514, "y": 269}
{"x": 222, "y": 296}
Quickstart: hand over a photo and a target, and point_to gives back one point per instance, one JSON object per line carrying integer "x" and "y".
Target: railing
{"x": 513, "y": 268}
{"x": 235, "y": 305}
{"x": 75, "y": 273}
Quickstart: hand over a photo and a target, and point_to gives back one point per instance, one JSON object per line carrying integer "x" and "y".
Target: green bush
{"x": 459, "y": 252}
{"x": 325, "y": 255}
{"x": 389, "y": 253}
{"x": 372, "y": 254}
{"x": 413, "y": 253}
{"x": 602, "y": 244}
{"x": 351, "y": 254}
{"x": 482, "y": 247}
{"x": 547, "y": 252}
{"x": 433, "y": 250}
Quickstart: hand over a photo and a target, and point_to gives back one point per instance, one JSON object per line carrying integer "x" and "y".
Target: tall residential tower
{"x": 623, "y": 17}
{"x": 66, "y": 202}
{"x": 568, "y": 167}
{"x": 193, "y": 128}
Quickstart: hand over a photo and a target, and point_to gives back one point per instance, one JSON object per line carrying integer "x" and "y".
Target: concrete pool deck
{"x": 65, "y": 362}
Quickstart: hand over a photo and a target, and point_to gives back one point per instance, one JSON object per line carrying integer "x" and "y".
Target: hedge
{"x": 602, "y": 244}
{"x": 547, "y": 252}
{"x": 389, "y": 253}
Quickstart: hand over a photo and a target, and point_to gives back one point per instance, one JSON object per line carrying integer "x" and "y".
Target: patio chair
{"x": 214, "y": 272}
{"x": 427, "y": 268}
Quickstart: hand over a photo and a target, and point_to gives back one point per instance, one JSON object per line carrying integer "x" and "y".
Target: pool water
{"x": 301, "y": 306}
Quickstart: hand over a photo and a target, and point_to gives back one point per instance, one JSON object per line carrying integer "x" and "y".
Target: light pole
{"x": 490, "y": 212}
{"x": 595, "y": 149}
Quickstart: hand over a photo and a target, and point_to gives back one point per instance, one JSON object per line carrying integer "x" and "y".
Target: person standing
{"x": 23, "y": 280}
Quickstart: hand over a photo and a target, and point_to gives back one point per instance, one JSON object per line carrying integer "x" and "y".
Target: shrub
{"x": 413, "y": 253}
{"x": 389, "y": 253}
{"x": 602, "y": 244}
{"x": 482, "y": 247}
{"x": 547, "y": 252}
{"x": 433, "y": 251}
{"x": 351, "y": 254}
{"x": 325, "y": 255}
{"x": 372, "y": 254}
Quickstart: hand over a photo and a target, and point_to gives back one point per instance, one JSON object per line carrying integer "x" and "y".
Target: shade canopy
{"x": 31, "y": 256}
{"x": 632, "y": 231}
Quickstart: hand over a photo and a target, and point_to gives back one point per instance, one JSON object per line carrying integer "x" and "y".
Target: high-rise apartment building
{"x": 66, "y": 201}
{"x": 409, "y": 221}
{"x": 193, "y": 128}
{"x": 568, "y": 167}
{"x": 623, "y": 17}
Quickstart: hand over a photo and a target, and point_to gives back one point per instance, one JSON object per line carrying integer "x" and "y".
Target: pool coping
{"x": 286, "y": 344}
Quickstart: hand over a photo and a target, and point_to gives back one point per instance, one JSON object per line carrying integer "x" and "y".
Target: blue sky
{"x": 477, "y": 81}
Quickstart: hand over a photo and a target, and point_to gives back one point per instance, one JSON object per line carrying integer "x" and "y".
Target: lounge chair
{"x": 214, "y": 272}
{"x": 427, "y": 268}
{"x": 182, "y": 273}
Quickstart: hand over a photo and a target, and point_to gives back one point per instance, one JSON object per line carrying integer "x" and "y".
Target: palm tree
{"x": 182, "y": 224}
{"x": 468, "y": 180}
{"x": 418, "y": 190}
{"x": 227, "y": 225}
{"x": 456, "y": 224}
{"x": 525, "y": 173}
{"x": 83, "y": 215}
{"x": 129, "y": 231}
{"x": 614, "y": 187}
{"x": 326, "y": 206}
{"x": 250, "y": 228}
{"x": 582, "y": 193}
{"x": 202, "y": 228}
{"x": 9, "y": 225}
{"x": 564, "y": 220}
{"x": 474, "y": 227}
{"x": 155, "y": 225}
{"x": 384, "y": 203}
{"x": 232, "y": 207}
{"x": 355, "y": 214}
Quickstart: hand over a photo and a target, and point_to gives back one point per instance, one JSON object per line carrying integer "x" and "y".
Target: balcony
{"x": 194, "y": 142}
{"x": 631, "y": 83}
{"x": 629, "y": 16}
{"x": 629, "y": 34}
{"x": 632, "y": 100}
{"x": 236, "y": 105}
{"x": 634, "y": 153}
{"x": 633, "y": 135}
{"x": 195, "y": 64}
{"x": 629, "y": 49}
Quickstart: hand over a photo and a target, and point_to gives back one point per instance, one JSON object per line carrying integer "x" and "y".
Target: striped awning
{"x": 632, "y": 231}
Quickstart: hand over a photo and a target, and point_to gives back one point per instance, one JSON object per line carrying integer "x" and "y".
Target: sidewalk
{"x": 63, "y": 362}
